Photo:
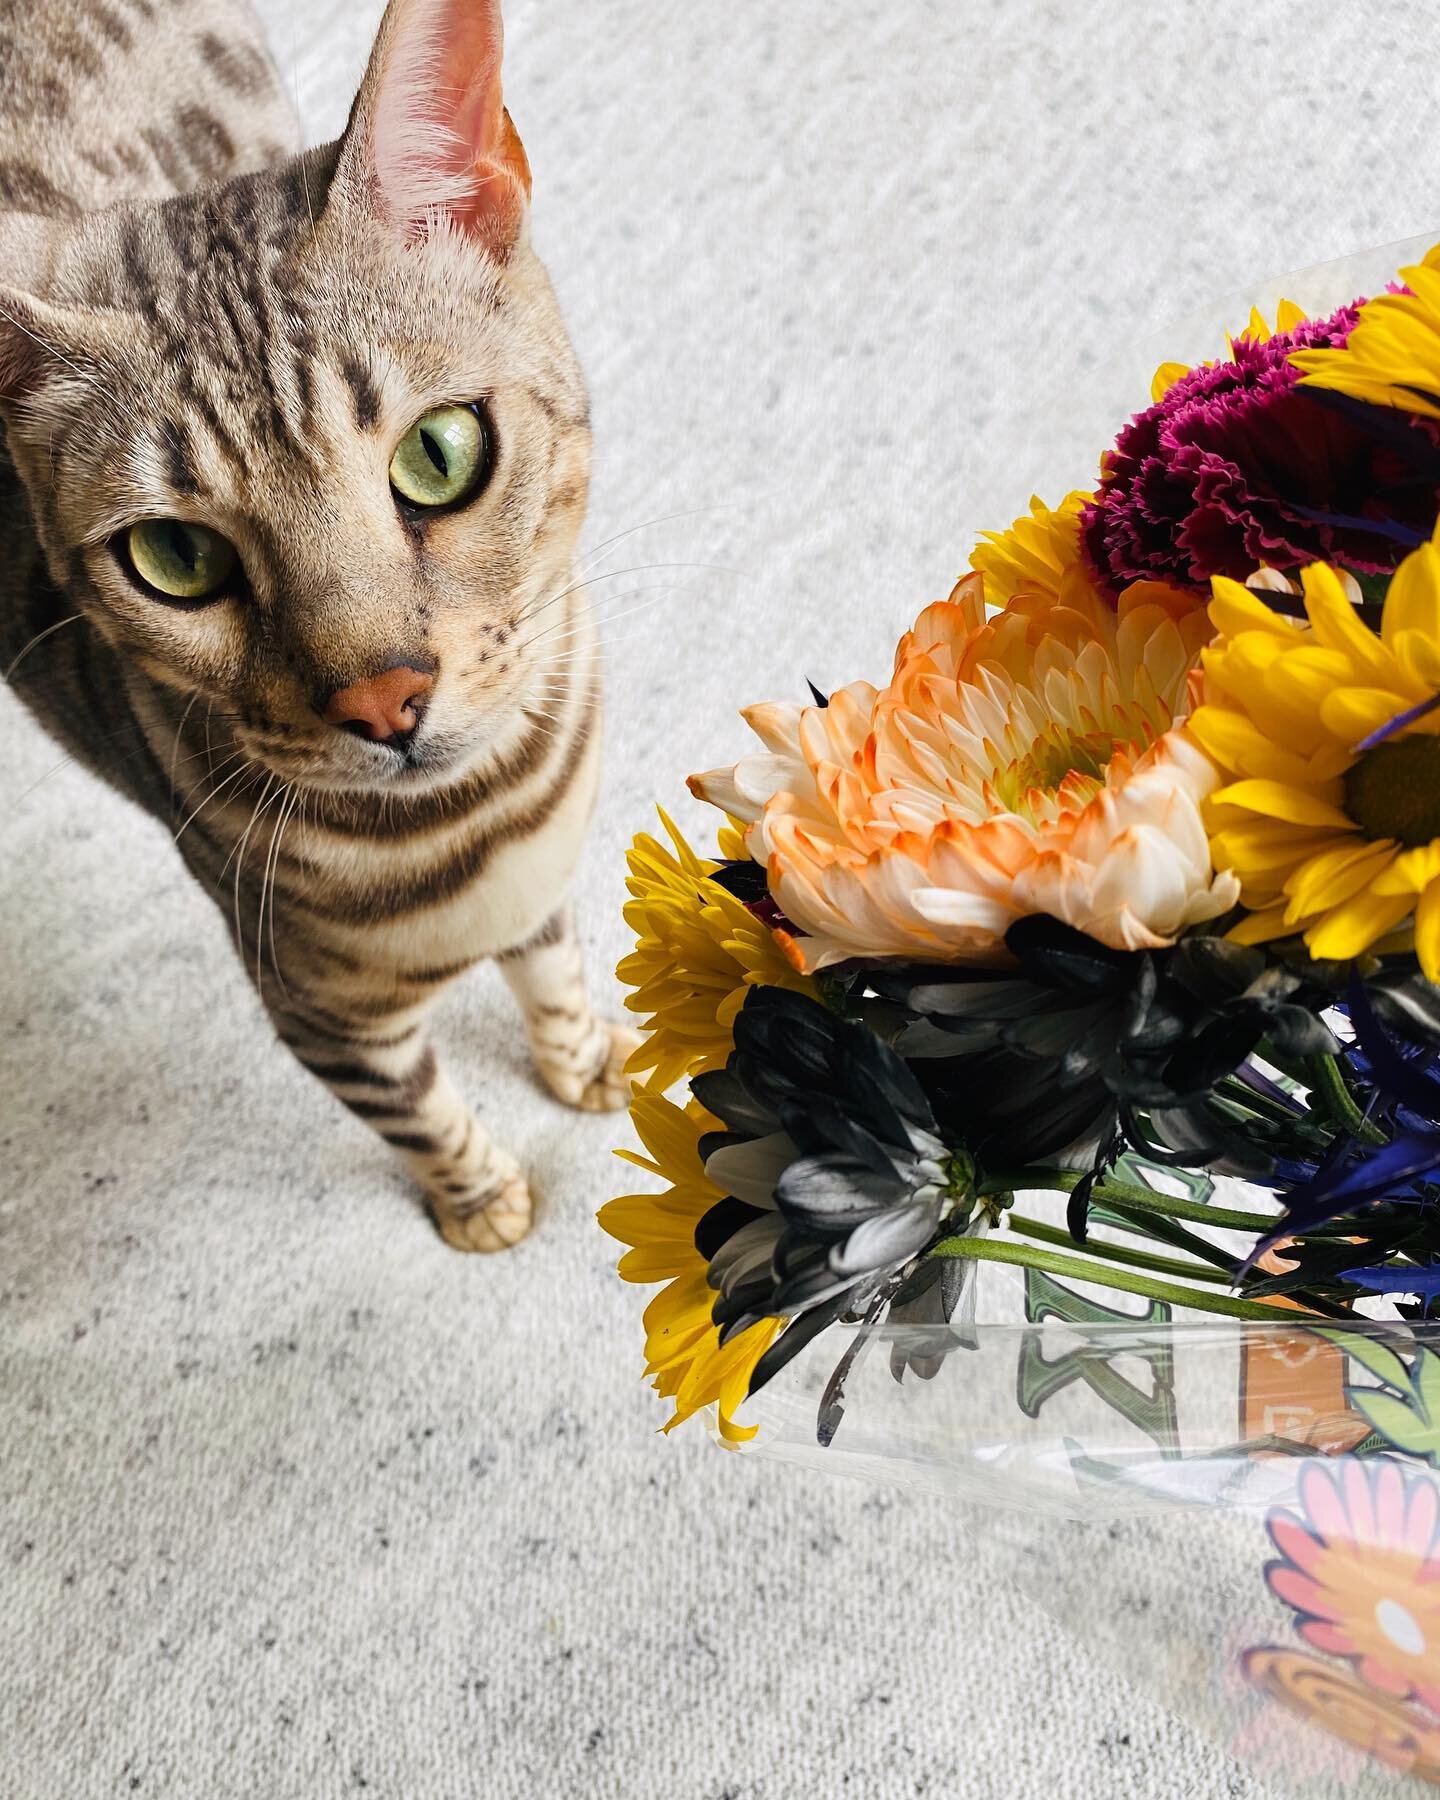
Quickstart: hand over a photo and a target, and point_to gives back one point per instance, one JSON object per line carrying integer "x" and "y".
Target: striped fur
{"x": 196, "y": 321}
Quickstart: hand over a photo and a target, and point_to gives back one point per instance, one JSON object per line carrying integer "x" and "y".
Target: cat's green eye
{"x": 441, "y": 458}
{"x": 181, "y": 560}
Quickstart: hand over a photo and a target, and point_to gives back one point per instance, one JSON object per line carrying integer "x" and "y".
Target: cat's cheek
{"x": 187, "y": 648}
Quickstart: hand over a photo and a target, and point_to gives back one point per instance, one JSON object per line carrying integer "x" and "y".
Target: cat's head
{"x": 313, "y": 445}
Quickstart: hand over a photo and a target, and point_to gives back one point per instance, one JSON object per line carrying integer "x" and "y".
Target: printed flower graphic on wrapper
{"x": 1319, "y": 1694}
{"x": 1329, "y": 736}
{"x": 1361, "y": 1569}
{"x": 1026, "y": 763}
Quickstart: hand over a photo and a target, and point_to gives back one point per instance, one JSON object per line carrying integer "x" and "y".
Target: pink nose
{"x": 385, "y": 706}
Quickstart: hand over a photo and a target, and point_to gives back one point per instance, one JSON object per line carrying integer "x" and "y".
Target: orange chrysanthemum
{"x": 1023, "y": 763}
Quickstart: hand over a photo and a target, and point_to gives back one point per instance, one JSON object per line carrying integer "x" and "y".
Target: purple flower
{"x": 1238, "y": 465}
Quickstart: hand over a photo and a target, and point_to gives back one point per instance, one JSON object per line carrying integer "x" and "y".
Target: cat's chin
{"x": 427, "y": 768}
{"x": 438, "y": 758}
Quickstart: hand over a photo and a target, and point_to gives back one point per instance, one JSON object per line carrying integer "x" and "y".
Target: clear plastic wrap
{"x": 1242, "y": 1517}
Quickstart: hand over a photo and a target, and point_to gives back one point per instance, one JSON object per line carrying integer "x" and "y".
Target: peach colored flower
{"x": 1025, "y": 763}
{"x": 1361, "y": 1569}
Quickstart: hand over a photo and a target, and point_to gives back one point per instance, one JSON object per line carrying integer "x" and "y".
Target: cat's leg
{"x": 386, "y": 1072}
{"x": 581, "y": 1057}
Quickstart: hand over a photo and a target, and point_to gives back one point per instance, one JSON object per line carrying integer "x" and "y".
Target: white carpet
{"x": 294, "y": 1501}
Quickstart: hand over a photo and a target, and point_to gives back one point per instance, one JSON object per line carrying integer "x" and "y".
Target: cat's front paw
{"x": 496, "y": 1219}
{"x": 594, "y": 1080}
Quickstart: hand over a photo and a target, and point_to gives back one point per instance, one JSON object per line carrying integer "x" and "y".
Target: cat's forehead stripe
{"x": 179, "y": 453}
{"x": 364, "y": 391}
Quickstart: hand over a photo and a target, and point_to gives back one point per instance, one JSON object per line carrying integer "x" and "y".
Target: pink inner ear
{"x": 441, "y": 143}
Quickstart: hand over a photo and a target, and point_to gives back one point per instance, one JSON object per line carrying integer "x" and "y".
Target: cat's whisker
{"x": 215, "y": 792}
{"x": 573, "y": 586}
{"x": 263, "y": 805}
{"x": 615, "y": 575}
{"x": 39, "y": 638}
{"x": 237, "y": 855}
{"x": 572, "y": 659}
{"x": 179, "y": 730}
{"x": 591, "y": 622}
{"x": 240, "y": 843}
{"x": 583, "y": 582}
{"x": 585, "y": 627}
{"x": 272, "y": 862}
{"x": 16, "y": 804}
{"x": 597, "y": 652}
{"x": 64, "y": 763}
{"x": 689, "y": 512}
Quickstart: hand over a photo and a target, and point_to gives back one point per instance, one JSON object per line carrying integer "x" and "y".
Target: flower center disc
{"x": 1401, "y": 1627}
{"x": 1394, "y": 791}
{"x": 1055, "y": 757}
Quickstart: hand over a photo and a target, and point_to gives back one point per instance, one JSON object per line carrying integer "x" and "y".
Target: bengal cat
{"x": 295, "y": 458}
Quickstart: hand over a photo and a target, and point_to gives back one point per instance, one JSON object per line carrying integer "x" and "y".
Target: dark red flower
{"x": 1238, "y": 465}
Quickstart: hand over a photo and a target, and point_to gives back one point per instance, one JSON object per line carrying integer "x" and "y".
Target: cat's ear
{"x": 430, "y": 143}
{"x": 36, "y": 334}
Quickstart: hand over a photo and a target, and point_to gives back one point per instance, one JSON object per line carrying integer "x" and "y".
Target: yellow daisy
{"x": 1392, "y": 357}
{"x": 1036, "y": 554}
{"x": 1330, "y": 737}
{"x": 697, "y": 952}
{"x": 1287, "y": 316}
{"x": 684, "y": 1356}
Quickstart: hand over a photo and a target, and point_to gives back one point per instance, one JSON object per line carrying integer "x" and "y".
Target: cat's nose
{"x": 386, "y": 708}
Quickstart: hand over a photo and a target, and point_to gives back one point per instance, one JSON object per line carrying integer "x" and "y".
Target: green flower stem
{"x": 1121, "y": 1253}
{"x": 1079, "y": 1268}
{"x": 1129, "y": 1195}
{"x": 1329, "y": 1083}
{"x": 1243, "y": 1103}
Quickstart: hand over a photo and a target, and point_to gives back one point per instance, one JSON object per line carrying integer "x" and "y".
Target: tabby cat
{"x": 295, "y": 457}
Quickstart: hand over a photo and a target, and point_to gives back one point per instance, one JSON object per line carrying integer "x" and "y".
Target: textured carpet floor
{"x": 294, "y": 1502}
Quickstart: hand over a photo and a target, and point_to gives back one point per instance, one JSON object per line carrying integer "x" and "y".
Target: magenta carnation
{"x": 1238, "y": 465}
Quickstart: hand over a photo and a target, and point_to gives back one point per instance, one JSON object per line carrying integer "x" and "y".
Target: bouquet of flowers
{"x": 1127, "y": 879}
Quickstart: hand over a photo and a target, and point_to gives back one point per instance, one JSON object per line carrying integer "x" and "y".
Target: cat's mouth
{"x": 423, "y": 763}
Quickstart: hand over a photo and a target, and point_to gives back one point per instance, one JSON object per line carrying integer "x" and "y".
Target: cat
{"x": 295, "y": 457}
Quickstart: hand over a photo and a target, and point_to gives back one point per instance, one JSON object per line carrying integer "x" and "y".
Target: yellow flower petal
{"x": 1412, "y": 600}
{"x": 1339, "y": 627}
{"x": 1355, "y": 926}
{"x": 698, "y": 951}
{"x": 1237, "y": 742}
{"x": 1276, "y": 800}
{"x": 1392, "y": 356}
{"x": 1352, "y": 713}
{"x": 1427, "y": 932}
{"x": 684, "y": 1357}
{"x": 1412, "y": 871}
{"x": 1261, "y": 927}
{"x": 1329, "y": 879}
{"x": 1165, "y": 378}
{"x": 1035, "y": 554}
{"x": 1418, "y": 653}
{"x": 1233, "y": 609}
{"x": 1261, "y": 847}
{"x": 1286, "y": 703}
